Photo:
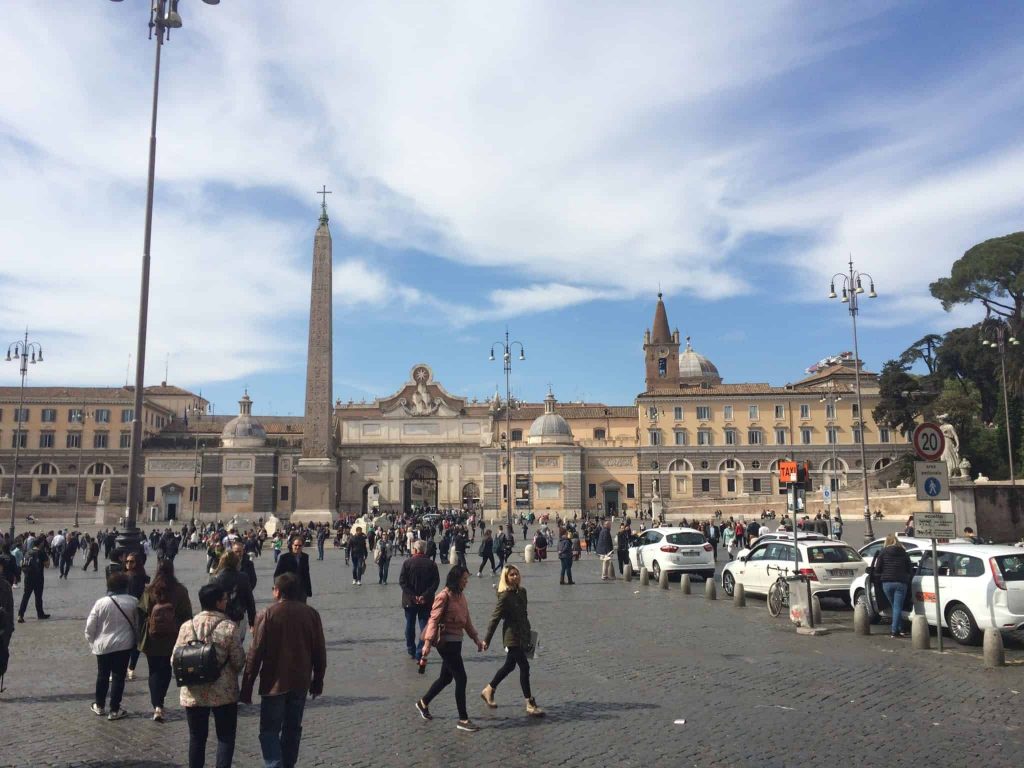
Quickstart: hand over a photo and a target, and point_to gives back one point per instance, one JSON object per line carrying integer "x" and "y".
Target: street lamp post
{"x": 163, "y": 18}
{"x": 196, "y": 411}
{"x": 852, "y": 287}
{"x": 82, "y": 416}
{"x": 831, "y": 396}
{"x": 25, "y": 352}
{"x": 1000, "y": 344}
{"x": 506, "y": 350}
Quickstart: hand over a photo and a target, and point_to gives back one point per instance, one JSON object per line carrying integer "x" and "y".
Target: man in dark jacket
{"x": 245, "y": 564}
{"x": 6, "y": 615}
{"x": 296, "y": 561}
{"x": 419, "y": 580}
{"x": 289, "y": 654}
{"x": 358, "y": 550}
{"x": 33, "y": 570}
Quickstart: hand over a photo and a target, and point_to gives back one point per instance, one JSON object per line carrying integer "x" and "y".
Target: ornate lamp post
{"x": 26, "y": 353}
{"x": 852, "y": 286}
{"x": 196, "y": 411}
{"x": 1003, "y": 337}
{"x": 82, "y": 416}
{"x": 831, "y": 395}
{"x": 163, "y": 17}
{"x": 506, "y": 348}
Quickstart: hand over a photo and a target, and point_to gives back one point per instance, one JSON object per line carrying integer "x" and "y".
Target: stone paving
{"x": 618, "y": 664}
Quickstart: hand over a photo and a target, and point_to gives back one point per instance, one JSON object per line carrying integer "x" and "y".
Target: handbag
{"x": 440, "y": 627}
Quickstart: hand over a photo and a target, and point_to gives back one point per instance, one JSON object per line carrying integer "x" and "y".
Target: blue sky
{"x": 541, "y": 166}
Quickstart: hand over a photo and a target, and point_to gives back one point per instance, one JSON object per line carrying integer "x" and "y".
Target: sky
{"x": 536, "y": 166}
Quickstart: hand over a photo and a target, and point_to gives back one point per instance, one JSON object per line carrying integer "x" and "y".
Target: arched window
{"x": 44, "y": 468}
{"x": 680, "y": 465}
{"x": 99, "y": 468}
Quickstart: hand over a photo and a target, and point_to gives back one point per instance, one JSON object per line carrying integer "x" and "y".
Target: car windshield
{"x": 1011, "y": 566}
{"x": 685, "y": 538}
{"x": 833, "y": 554}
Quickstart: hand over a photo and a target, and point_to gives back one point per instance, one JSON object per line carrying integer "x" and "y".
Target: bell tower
{"x": 661, "y": 352}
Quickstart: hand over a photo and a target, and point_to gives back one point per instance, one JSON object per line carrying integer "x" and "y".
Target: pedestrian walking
{"x": 894, "y": 570}
{"x": 6, "y": 616}
{"x": 565, "y": 558}
{"x": 516, "y": 635}
{"x": 486, "y": 553}
{"x": 135, "y": 568}
{"x": 241, "y": 604}
{"x": 245, "y": 564}
{"x": 33, "y": 570}
{"x": 163, "y": 608}
{"x": 289, "y": 655}
{"x": 449, "y": 618}
{"x": 461, "y": 544}
{"x": 622, "y": 545}
{"x": 357, "y": 552}
{"x": 112, "y": 632}
{"x": 92, "y": 554}
{"x": 321, "y": 537}
{"x": 297, "y": 562}
{"x": 605, "y": 545}
{"x": 382, "y": 554}
{"x": 419, "y": 579}
{"x": 220, "y": 697}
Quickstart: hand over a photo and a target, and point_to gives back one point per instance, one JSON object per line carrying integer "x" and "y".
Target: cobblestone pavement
{"x": 618, "y": 664}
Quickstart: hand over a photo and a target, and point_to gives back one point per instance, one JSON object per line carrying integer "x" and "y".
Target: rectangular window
{"x": 599, "y": 434}
{"x": 705, "y": 485}
{"x": 46, "y": 439}
{"x": 730, "y": 485}
{"x": 855, "y": 411}
{"x": 730, "y": 437}
{"x": 102, "y": 415}
{"x": 125, "y": 440}
{"x": 127, "y": 414}
{"x": 97, "y": 488}
{"x": 193, "y": 493}
{"x": 703, "y": 437}
{"x": 780, "y": 437}
{"x": 755, "y": 485}
{"x": 21, "y": 414}
{"x": 830, "y": 410}
{"x": 883, "y": 435}
{"x": 73, "y": 440}
{"x": 76, "y": 415}
{"x": 549, "y": 490}
{"x": 592, "y": 491}
{"x": 19, "y": 439}
{"x": 517, "y": 435}
{"x": 680, "y": 435}
{"x": 856, "y": 435}
{"x": 805, "y": 436}
{"x": 150, "y": 493}
{"x": 805, "y": 411}
{"x": 44, "y": 490}
{"x": 677, "y": 413}
{"x": 99, "y": 440}
{"x": 780, "y": 411}
{"x": 730, "y": 464}
{"x": 284, "y": 493}
{"x": 833, "y": 435}
{"x": 630, "y": 491}
{"x": 652, "y": 411}
{"x": 654, "y": 437}
{"x": 704, "y": 412}
{"x": 727, "y": 412}
{"x": 754, "y": 437}
{"x": 752, "y": 411}
{"x": 49, "y": 415}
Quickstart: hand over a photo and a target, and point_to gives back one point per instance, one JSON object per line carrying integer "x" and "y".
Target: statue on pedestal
{"x": 951, "y": 453}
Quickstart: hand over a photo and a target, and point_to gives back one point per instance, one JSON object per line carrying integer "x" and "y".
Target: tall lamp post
{"x": 163, "y": 17}
{"x": 196, "y": 411}
{"x": 506, "y": 352}
{"x": 832, "y": 396}
{"x": 852, "y": 286}
{"x": 1004, "y": 337}
{"x": 26, "y": 353}
{"x": 82, "y": 416}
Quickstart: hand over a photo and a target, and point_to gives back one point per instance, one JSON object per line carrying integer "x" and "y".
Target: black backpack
{"x": 195, "y": 662}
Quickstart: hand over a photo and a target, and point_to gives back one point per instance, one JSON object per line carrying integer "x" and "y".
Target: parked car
{"x": 910, "y": 543}
{"x": 782, "y": 536}
{"x": 675, "y": 550}
{"x": 831, "y": 566}
{"x": 980, "y": 586}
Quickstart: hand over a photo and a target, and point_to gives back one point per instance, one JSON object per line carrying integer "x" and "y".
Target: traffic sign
{"x": 826, "y": 495}
{"x": 932, "y": 480}
{"x": 934, "y": 525}
{"x": 787, "y": 472}
{"x": 929, "y": 442}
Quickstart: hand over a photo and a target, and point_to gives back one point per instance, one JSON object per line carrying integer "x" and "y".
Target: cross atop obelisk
{"x": 323, "y": 204}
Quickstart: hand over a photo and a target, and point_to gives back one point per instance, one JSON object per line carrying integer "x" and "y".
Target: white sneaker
{"x": 131, "y": 675}
{"x": 97, "y": 709}
{"x": 117, "y": 714}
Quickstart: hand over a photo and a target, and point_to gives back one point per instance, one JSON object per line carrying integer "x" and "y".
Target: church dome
{"x": 550, "y": 428}
{"x": 694, "y": 367}
{"x": 244, "y": 431}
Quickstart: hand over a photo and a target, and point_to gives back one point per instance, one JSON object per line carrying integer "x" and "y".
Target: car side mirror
{"x": 743, "y": 559}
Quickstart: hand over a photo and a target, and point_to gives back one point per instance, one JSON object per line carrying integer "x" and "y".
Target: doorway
{"x": 420, "y": 486}
{"x": 611, "y": 500}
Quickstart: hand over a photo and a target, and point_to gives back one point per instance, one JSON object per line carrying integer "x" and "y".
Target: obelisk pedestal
{"x": 314, "y": 490}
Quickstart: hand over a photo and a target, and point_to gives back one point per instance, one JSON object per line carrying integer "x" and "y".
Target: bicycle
{"x": 778, "y": 592}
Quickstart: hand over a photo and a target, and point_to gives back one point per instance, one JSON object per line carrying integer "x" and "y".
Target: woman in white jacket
{"x": 112, "y": 629}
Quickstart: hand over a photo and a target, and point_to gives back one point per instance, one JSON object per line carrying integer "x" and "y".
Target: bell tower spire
{"x": 661, "y": 352}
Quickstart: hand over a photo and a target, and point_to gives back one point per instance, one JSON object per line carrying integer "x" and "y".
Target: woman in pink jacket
{"x": 449, "y": 618}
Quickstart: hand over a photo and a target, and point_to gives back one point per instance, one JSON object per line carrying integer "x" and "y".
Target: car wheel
{"x": 655, "y": 571}
{"x": 962, "y": 625}
{"x": 728, "y": 583}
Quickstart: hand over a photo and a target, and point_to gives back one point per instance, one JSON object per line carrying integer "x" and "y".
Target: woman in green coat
{"x": 163, "y": 608}
{"x": 511, "y": 609}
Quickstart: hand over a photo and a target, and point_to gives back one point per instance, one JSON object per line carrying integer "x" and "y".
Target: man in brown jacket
{"x": 289, "y": 654}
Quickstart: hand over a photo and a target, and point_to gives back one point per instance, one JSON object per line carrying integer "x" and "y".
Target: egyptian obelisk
{"x": 317, "y": 472}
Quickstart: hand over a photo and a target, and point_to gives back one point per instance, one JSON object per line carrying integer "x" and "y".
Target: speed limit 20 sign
{"x": 929, "y": 442}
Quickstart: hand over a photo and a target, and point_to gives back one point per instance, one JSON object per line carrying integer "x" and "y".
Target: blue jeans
{"x": 382, "y": 570}
{"x": 358, "y": 564}
{"x": 281, "y": 728}
{"x": 412, "y": 614}
{"x": 319, "y": 550}
{"x": 895, "y": 593}
{"x": 566, "y": 569}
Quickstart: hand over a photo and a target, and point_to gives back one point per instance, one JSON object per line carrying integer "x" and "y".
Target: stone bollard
{"x": 684, "y": 583}
{"x": 627, "y": 572}
{"x": 663, "y": 580}
{"x": 739, "y": 597}
{"x": 710, "y": 590}
{"x": 816, "y": 610}
{"x": 528, "y": 553}
{"x": 608, "y": 570}
{"x": 992, "y": 648}
{"x": 861, "y": 620}
{"x": 645, "y": 577}
{"x": 920, "y": 634}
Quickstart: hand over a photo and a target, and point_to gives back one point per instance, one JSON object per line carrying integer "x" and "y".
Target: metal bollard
{"x": 992, "y": 648}
{"x": 710, "y": 590}
{"x": 645, "y": 577}
{"x": 627, "y": 572}
{"x": 663, "y": 580}
{"x": 920, "y": 634}
{"x": 861, "y": 620}
{"x": 739, "y": 597}
{"x": 684, "y": 583}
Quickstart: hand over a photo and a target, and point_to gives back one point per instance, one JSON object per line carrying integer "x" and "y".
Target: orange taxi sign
{"x": 787, "y": 471}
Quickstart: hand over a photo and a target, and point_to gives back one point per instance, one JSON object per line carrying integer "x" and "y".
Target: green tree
{"x": 925, "y": 350}
{"x": 992, "y": 273}
{"x": 900, "y": 397}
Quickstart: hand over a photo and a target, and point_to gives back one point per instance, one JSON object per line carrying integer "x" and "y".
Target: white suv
{"x": 830, "y": 565}
{"x": 676, "y": 550}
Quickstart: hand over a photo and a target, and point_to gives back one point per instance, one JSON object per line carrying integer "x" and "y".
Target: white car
{"x": 910, "y": 543}
{"x": 980, "y": 586}
{"x": 831, "y": 566}
{"x": 675, "y": 550}
{"x": 782, "y": 536}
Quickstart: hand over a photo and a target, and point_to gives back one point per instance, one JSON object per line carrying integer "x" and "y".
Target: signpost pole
{"x": 935, "y": 574}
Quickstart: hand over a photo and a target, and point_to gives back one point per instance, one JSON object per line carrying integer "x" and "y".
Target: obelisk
{"x": 317, "y": 471}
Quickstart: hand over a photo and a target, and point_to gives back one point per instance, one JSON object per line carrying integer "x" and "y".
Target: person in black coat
{"x": 487, "y": 553}
{"x": 893, "y": 569}
{"x": 296, "y": 561}
{"x": 245, "y": 564}
{"x": 241, "y": 604}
